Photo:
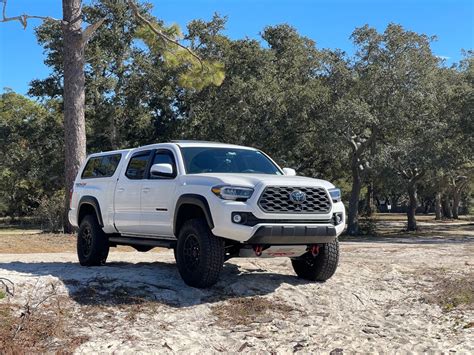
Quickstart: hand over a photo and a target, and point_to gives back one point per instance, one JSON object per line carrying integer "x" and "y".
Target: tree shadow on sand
{"x": 388, "y": 232}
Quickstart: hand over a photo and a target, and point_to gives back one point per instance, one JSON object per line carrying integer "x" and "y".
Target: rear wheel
{"x": 320, "y": 267}
{"x": 199, "y": 254}
{"x": 92, "y": 243}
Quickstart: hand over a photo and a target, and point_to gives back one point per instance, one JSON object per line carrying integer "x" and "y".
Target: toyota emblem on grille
{"x": 297, "y": 196}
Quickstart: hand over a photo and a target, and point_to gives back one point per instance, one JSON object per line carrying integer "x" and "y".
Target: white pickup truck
{"x": 209, "y": 202}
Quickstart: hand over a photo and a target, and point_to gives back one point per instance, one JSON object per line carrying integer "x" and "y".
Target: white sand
{"x": 372, "y": 304}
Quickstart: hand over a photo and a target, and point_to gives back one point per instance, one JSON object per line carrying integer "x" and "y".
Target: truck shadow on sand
{"x": 122, "y": 283}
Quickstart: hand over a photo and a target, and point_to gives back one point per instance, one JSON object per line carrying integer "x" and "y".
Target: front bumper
{"x": 293, "y": 235}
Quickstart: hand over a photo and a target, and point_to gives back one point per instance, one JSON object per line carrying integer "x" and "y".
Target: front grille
{"x": 276, "y": 199}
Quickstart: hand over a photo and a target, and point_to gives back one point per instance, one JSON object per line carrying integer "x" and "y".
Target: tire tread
{"x": 100, "y": 244}
{"x": 213, "y": 249}
{"x": 324, "y": 265}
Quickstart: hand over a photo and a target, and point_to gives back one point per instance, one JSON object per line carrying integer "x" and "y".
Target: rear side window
{"x": 137, "y": 166}
{"x": 100, "y": 167}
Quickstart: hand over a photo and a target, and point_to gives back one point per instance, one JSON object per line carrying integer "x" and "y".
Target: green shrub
{"x": 367, "y": 226}
{"x": 49, "y": 213}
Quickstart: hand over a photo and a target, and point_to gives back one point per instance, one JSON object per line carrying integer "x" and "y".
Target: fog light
{"x": 237, "y": 218}
{"x": 337, "y": 218}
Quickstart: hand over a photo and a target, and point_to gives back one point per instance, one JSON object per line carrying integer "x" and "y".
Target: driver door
{"x": 157, "y": 198}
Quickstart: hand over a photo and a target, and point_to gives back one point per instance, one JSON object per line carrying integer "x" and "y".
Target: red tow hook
{"x": 315, "y": 250}
{"x": 258, "y": 250}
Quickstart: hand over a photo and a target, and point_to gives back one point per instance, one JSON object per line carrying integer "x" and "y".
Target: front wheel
{"x": 199, "y": 254}
{"x": 92, "y": 243}
{"x": 320, "y": 267}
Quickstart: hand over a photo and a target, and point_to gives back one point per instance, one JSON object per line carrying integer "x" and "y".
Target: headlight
{"x": 335, "y": 194}
{"x": 233, "y": 192}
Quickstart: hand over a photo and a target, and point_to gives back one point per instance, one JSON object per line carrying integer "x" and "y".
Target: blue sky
{"x": 328, "y": 22}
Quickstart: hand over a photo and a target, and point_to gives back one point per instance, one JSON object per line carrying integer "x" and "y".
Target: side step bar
{"x": 146, "y": 242}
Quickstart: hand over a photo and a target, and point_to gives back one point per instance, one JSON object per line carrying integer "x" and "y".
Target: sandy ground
{"x": 380, "y": 299}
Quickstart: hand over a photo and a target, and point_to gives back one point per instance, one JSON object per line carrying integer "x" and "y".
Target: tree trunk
{"x": 427, "y": 205}
{"x": 352, "y": 219}
{"x": 370, "y": 206}
{"x": 446, "y": 207}
{"x": 394, "y": 202}
{"x": 438, "y": 206}
{"x": 411, "y": 210}
{"x": 73, "y": 96}
{"x": 456, "y": 200}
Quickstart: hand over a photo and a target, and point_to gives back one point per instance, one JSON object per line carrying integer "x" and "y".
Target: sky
{"x": 328, "y": 22}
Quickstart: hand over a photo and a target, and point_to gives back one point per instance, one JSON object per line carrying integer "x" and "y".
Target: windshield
{"x": 227, "y": 160}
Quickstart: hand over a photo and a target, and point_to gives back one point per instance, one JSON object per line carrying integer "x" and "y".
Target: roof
{"x": 109, "y": 152}
{"x": 191, "y": 143}
{"x": 180, "y": 143}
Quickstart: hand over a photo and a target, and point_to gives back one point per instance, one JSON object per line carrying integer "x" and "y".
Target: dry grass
{"x": 446, "y": 230}
{"x": 24, "y": 241}
{"x": 451, "y": 291}
{"x": 37, "y": 330}
{"x": 105, "y": 296}
{"x": 402, "y": 217}
{"x": 245, "y": 311}
{"x": 14, "y": 242}
{"x": 394, "y": 226}
{"x": 106, "y": 292}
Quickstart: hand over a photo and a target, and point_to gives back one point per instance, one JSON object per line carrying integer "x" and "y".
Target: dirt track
{"x": 385, "y": 296}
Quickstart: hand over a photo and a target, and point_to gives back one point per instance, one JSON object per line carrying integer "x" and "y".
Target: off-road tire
{"x": 92, "y": 243}
{"x": 321, "y": 267}
{"x": 199, "y": 254}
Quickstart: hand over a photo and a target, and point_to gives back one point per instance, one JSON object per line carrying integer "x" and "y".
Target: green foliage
{"x": 393, "y": 104}
{"x": 270, "y": 99}
{"x": 368, "y": 226}
{"x": 49, "y": 212}
{"x": 193, "y": 72}
{"x": 31, "y": 155}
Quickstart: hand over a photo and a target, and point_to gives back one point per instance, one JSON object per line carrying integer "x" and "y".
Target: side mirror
{"x": 162, "y": 170}
{"x": 289, "y": 171}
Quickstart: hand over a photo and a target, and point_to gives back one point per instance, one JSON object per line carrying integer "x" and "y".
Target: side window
{"x": 99, "y": 167}
{"x": 163, "y": 157}
{"x": 137, "y": 166}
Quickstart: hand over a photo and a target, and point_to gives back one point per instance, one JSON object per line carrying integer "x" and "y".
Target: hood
{"x": 253, "y": 180}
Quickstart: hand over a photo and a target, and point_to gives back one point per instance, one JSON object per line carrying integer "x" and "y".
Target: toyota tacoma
{"x": 209, "y": 202}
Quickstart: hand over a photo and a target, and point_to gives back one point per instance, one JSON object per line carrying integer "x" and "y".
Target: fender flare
{"x": 197, "y": 200}
{"x": 90, "y": 200}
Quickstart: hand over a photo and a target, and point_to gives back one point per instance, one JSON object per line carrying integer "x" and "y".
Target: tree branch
{"x": 353, "y": 143}
{"x": 137, "y": 14}
{"x": 23, "y": 19}
{"x": 351, "y": 139}
{"x": 10, "y": 290}
{"x": 91, "y": 29}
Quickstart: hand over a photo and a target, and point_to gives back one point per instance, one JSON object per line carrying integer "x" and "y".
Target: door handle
{"x": 146, "y": 189}
{"x": 120, "y": 189}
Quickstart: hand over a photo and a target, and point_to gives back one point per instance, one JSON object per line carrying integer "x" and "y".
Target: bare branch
{"x": 8, "y": 285}
{"x": 353, "y": 144}
{"x": 23, "y": 19}
{"x": 419, "y": 174}
{"x": 91, "y": 29}
{"x": 137, "y": 14}
{"x": 351, "y": 139}
{"x": 404, "y": 173}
